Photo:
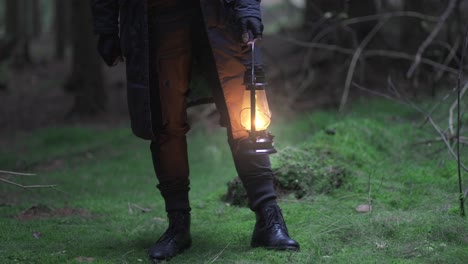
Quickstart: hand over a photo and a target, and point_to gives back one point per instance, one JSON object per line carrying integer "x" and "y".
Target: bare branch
{"x": 357, "y": 20}
{"x": 444, "y": 98}
{"x": 441, "y": 134}
{"x": 354, "y": 60}
{"x": 456, "y": 104}
{"x": 450, "y": 56}
{"x": 406, "y": 56}
{"x": 370, "y": 53}
{"x": 377, "y": 93}
{"x": 308, "y": 72}
{"x": 459, "y": 96}
{"x": 427, "y": 116}
{"x": 430, "y": 38}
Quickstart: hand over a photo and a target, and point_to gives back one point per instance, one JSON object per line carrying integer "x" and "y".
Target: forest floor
{"x": 398, "y": 202}
{"x": 105, "y": 207}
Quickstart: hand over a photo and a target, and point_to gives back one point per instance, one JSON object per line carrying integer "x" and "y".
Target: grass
{"x": 108, "y": 172}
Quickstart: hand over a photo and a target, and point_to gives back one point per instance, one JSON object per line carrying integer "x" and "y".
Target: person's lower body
{"x": 254, "y": 171}
{"x": 172, "y": 37}
{"x": 171, "y": 57}
{"x": 270, "y": 229}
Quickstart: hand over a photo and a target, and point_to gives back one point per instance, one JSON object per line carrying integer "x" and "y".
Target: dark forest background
{"x": 318, "y": 53}
{"x": 371, "y": 147}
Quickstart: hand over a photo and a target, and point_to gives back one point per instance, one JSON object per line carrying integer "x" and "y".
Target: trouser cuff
{"x": 260, "y": 193}
{"x": 176, "y": 201}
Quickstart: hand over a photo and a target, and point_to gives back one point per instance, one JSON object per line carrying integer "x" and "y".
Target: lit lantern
{"x": 255, "y": 114}
{"x": 262, "y": 114}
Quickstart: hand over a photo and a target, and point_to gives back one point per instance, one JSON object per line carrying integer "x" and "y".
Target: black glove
{"x": 252, "y": 28}
{"x": 109, "y": 49}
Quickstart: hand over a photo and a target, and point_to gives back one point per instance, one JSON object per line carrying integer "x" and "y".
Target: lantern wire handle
{"x": 253, "y": 62}
{"x": 253, "y": 108}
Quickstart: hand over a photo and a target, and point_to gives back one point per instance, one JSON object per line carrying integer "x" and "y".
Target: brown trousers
{"x": 179, "y": 40}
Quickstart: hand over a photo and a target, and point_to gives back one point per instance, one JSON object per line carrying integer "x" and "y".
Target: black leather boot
{"x": 175, "y": 240}
{"x": 270, "y": 230}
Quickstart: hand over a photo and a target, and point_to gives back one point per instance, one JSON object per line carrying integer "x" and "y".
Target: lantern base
{"x": 258, "y": 144}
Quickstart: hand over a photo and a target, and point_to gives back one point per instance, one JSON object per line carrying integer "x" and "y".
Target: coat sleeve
{"x": 245, "y": 8}
{"x": 105, "y": 16}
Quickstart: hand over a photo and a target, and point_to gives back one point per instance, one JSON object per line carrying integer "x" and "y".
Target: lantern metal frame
{"x": 259, "y": 142}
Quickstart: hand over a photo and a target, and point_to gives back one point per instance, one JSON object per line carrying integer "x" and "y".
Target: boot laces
{"x": 274, "y": 218}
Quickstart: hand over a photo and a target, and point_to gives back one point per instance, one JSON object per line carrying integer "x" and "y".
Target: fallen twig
{"x": 53, "y": 186}
{"x": 463, "y": 140}
{"x": 27, "y": 186}
{"x": 16, "y": 173}
{"x": 219, "y": 254}
{"x": 142, "y": 209}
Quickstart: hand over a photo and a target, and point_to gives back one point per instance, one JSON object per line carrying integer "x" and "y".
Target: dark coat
{"x": 220, "y": 20}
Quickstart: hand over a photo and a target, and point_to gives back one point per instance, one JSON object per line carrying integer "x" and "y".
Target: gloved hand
{"x": 109, "y": 49}
{"x": 252, "y": 28}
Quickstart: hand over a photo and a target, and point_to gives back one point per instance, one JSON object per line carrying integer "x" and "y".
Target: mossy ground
{"x": 412, "y": 188}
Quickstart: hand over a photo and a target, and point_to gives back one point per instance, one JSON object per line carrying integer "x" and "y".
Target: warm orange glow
{"x": 262, "y": 113}
{"x": 262, "y": 120}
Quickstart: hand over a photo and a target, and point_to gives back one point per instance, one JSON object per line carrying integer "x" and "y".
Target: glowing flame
{"x": 262, "y": 111}
{"x": 262, "y": 120}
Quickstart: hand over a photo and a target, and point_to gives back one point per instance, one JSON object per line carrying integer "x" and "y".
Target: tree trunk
{"x": 86, "y": 80}
{"x": 36, "y": 27}
{"x": 361, "y": 8}
{"x": 18, "y": 29}
{"x": 12, "y": 17}
{"x": 413, "y": 34}
{"x": 62, "y": 29}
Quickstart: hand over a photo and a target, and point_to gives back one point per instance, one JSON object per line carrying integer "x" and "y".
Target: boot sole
{"x": 180, "y": 251}
{"x": 281, "y": 248}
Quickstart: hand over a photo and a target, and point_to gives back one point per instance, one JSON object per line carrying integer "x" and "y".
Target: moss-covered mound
{"x": 330, "y": 159}
{"x": 307, "y": 171}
